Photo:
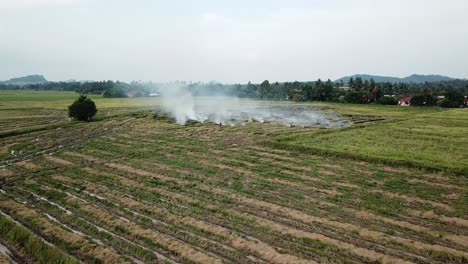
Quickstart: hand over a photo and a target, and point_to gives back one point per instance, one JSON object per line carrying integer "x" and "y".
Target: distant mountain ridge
{"x": 415, "y": 78}
{"x": 30, "y": 79}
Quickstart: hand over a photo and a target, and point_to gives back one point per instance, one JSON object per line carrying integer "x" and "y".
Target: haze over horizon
{"x": 231, "y": 41}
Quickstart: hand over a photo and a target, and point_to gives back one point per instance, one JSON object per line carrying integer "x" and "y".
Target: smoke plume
{"x": 180, "y": 104}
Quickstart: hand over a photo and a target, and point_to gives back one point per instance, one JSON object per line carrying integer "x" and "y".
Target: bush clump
{"x": 357, "y": 97}
{"x": 423, "y": 100}
{"x": 114, "y": 93}
{"x": 447, "y": 103}
{"x": 82, "y": 109}
{"x": 388, "y": 100}
{"x": 453, "y": 99}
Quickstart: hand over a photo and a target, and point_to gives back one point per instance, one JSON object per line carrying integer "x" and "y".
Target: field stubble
{"x": 129, "y": 189}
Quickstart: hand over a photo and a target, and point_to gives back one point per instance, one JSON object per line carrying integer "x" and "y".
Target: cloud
{"x": 216, "y": 18}
{"x": 7, "y": 4}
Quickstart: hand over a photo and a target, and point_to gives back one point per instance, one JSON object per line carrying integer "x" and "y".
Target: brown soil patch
{"x": 267, "y": 252}
{"x": 447, "y": 219}
{"x": 62, "y": 179}
{"x": 437, "y": 177}
{"x": 58, "y": 161}
{"x": 226, "y": 167}
{"x": 415, "y": 200}
{"x": 28, "y": 165}
{"x": 326, "y": 172}
{"x": 364, "y": 172}
{"x": 83, "y": 156}
{"x": 348, "y": 185}
{"x": 452, "y": 196}
{"x": 395, "y": 170}
{"x": 296, "y": 166}
{"x": 369, "y": 216}
{"x": 5, "y": 173}
{"x": 4, "y": 260}
{"x": 459, "y": 239}
{"x": 331, "y": 166}
{"x": 277, "y": 151}
{"x": 442, "y": 185}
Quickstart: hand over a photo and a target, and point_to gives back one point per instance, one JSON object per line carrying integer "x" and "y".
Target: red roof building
{"x": 405, "y": 101}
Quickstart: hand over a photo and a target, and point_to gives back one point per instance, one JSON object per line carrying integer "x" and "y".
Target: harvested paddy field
{"x": 133, "y": 189}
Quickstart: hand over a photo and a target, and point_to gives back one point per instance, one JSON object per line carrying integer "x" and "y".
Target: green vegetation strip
{"x": 435, "y": 142}
{"x": 29, "y": 245}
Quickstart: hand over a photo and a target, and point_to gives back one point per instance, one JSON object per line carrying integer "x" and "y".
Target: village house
{"x": 405, "y": 101}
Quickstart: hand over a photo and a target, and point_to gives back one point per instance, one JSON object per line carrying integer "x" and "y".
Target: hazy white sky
{"x": 232, "y": 41}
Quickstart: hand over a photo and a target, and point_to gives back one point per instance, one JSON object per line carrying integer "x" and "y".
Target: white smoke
{"x": 181, "y": 105}
{"x": 179, "y": 102}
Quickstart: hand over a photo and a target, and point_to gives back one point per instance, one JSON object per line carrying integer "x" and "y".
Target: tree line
{"x": 111, "y": 89}
{"x": 355, "y": 90}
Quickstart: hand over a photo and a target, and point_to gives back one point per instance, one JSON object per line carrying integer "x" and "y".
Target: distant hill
{"x": 30, "y": 79}
{"x": 415, "y": 78}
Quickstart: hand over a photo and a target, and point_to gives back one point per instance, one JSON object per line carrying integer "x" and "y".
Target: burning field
{"x": 232, "y": 111}
{"x": 134, "y": 189}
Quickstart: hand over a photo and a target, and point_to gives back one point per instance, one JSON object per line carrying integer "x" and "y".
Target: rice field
{"x": 436, "y": 141}
{"x": 129, "y": 188}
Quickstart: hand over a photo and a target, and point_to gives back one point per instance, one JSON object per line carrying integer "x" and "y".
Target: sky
{"x": 231, "y": 41}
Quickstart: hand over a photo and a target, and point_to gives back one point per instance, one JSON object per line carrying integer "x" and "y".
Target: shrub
{"x": 298, "y": 97}
{"x": 388, "y": 100}
{"x": 114, "y": 93}
{"x": 423, "y": 100}
{"x": 357, "y": 97}
{"x": 82, "y": 109}
{"x": 446, "y": 103}
{"x": 453, "y": 99}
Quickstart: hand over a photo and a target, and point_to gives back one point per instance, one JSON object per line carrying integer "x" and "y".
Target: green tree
{"x": 351, "y": 82}
{"x": 388, "y": 100}
{"x": 418, "y": 100}
{"x": 298, "y": 97}
{"x": 357, "y": 84}
{"x": 454, "y": 98}
{"x": 423, "y": 100}
{"x": 357, "y": 97}
{"x": 265, "y": 89}
{"x": 82, "y": 109}
{"x": 115, "y": 92}
{"x": 374, "y": 94}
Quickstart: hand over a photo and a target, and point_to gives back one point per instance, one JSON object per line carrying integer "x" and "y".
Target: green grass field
{"x": 53, "y": 100}
{"x": 434, "y": 140}
{"x": 128, "y": 188}
{"x": 38, "y": 96}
